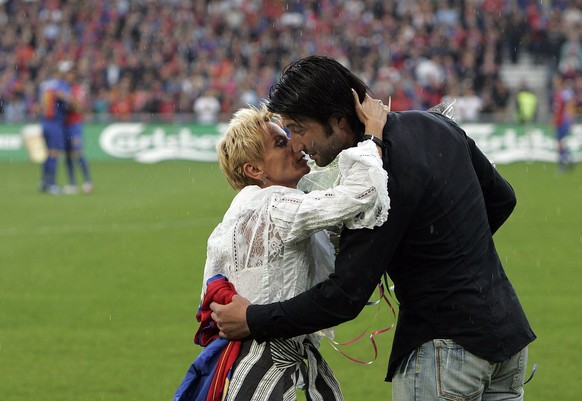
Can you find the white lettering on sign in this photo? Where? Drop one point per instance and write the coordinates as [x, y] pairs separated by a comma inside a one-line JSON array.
[[128, 140], [517, 143], [10, 142]]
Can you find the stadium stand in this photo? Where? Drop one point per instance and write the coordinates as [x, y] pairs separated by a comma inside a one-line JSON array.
[[156, 58]]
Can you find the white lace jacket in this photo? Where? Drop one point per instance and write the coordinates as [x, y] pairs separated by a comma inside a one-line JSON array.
[[271, 243]]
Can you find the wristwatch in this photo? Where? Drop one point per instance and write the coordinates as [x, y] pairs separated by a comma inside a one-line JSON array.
[[376, 140]]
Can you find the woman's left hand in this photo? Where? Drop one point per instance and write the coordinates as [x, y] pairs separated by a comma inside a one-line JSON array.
[[373, 113]]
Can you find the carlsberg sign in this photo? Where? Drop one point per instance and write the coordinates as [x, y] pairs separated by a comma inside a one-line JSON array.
[[510, 143], [503, 143], [131, 141], [152, 143]]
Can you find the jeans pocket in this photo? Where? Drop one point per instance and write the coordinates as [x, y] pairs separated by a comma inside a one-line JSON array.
[[458, 372], [519, 376]]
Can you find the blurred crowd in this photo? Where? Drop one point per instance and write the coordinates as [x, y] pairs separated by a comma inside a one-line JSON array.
[[170, 58]]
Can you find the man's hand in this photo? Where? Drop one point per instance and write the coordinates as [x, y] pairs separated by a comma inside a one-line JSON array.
[[231, 319]]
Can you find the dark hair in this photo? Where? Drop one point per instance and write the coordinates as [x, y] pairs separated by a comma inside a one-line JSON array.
[[318, 88]]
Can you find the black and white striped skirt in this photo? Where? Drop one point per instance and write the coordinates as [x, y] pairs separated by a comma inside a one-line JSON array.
[[273, 370]]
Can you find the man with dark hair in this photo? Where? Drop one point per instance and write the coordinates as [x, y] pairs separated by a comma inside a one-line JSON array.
[[461, 331]]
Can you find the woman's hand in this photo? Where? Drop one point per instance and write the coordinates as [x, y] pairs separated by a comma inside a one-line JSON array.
[[372, 113]]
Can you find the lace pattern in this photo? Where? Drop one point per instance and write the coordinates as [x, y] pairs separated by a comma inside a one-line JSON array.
[[271, 243]]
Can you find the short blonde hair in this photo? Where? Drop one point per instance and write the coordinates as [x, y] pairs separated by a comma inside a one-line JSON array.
[[243, 142]]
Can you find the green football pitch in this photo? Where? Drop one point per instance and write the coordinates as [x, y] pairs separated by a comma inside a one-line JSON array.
[[98, 292]]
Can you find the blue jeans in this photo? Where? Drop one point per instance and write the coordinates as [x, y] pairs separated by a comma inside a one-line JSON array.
[[443, 370]]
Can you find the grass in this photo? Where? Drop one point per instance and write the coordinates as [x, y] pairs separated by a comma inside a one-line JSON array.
[[98, 292]]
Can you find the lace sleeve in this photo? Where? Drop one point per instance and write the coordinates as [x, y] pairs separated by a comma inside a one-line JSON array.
[[243, 247], [359, 201]]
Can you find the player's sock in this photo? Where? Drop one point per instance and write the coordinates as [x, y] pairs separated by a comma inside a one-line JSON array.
[[85, 168], [71, 171], [49, 171]]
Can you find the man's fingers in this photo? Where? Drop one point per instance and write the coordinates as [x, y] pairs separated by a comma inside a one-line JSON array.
[[230, 318], [240, 299], [215, 312]]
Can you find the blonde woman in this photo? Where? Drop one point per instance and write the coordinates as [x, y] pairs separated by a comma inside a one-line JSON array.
[[272, 243]]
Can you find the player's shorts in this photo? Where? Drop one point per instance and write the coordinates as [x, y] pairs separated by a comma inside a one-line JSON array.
[[563, 129], [53, 135], [74, 136]]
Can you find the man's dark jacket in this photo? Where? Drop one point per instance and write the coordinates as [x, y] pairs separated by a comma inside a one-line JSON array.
[[447, 201]]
